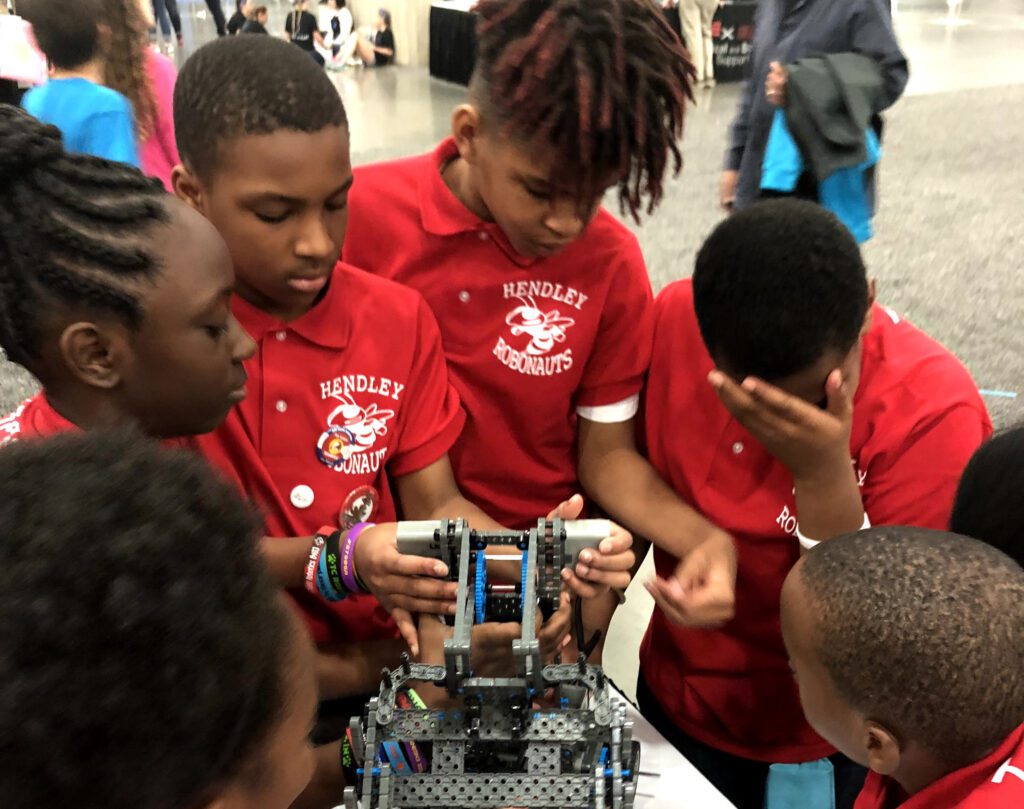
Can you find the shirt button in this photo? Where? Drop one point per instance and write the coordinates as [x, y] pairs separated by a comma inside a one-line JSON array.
[[281, 405], [302, 496], [482, 235], [737, 448], [281, 335], [464, 296]]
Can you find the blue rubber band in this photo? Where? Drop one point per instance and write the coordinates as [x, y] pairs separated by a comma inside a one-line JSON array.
[[522, 594], [393, 751], [481, 587]]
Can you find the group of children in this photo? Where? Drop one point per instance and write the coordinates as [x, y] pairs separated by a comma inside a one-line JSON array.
[[487, 346]]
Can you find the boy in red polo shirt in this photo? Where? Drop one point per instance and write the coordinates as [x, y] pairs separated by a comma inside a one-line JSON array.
[[542, 297], [350, 408], [908, 646], [783, 406]]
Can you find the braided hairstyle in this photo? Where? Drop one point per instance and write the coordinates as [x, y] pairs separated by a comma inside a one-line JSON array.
[[72, 232], [604, 81]]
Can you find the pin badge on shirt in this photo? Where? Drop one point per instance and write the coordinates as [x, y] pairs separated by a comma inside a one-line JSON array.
[[359, 506]]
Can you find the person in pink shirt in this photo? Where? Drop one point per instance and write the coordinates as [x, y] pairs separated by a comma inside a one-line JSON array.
[[147, 79]]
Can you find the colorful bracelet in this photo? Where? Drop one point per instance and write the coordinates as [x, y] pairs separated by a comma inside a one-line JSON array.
[[349, 764], [349, 578], [313, 564], [323, 555]]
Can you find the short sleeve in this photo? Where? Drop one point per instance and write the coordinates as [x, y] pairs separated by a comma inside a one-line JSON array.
[[915, 483], [622, 349], [112, 135], [432, 413]]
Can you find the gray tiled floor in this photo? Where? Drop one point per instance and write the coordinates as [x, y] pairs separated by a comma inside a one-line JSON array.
[[950, 233]]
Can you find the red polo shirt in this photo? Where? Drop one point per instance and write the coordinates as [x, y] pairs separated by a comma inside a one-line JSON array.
[[995, 782], [917, 418], [529, 343], [340, 400], [33, 418]]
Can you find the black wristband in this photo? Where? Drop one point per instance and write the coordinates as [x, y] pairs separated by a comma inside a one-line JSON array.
[[332, 551], [349, 765]]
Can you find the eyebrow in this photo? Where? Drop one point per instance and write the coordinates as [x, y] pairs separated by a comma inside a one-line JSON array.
[[214, 300], [271, 195]]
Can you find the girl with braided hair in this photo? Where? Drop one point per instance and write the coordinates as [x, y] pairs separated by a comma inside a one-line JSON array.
[[113, 293]]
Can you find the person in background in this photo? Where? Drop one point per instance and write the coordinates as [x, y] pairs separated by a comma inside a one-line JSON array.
[[258, 23], [696, 17], [336, 23], [907, 647], [786, 31], [218, 16], [377, 52], [146, 79], [243, 12], [165, 12], [92, 118], [301, 29], [162, 651]]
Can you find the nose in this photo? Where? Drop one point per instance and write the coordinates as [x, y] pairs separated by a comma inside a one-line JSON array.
[[315, 240], [563, 219], [243, 347]]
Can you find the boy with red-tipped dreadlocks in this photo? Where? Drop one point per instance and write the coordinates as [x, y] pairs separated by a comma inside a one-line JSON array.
[[542, 297]]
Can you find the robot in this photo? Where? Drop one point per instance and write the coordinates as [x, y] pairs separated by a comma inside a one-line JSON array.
[[497, 750]]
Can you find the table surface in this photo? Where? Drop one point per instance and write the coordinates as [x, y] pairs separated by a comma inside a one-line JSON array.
[[678, 784], [454, 5]]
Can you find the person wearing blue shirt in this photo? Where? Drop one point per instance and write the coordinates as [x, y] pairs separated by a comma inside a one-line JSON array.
[[92, 118]]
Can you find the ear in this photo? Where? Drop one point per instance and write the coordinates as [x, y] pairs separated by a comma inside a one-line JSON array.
[[93, 354], [187, 187], [883, 749], [466, 131]]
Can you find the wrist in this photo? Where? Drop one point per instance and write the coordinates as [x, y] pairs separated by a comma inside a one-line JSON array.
[[827, 473]]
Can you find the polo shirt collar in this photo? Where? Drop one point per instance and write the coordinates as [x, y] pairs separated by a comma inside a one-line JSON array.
[[441, 212], [47, 421], [327, 324]]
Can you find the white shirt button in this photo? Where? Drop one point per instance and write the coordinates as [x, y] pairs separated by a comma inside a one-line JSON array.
[[302, 496], [737, 448], [281, 335], [464, 296], [482, 235], [281, 405]]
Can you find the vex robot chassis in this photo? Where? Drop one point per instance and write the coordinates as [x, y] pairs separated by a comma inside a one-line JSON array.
[[497, 750]]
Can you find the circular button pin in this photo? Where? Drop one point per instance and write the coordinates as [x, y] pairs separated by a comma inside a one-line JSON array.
[[302, 496]]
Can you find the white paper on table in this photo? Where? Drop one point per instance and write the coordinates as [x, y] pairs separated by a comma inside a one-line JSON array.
[[678, 784]]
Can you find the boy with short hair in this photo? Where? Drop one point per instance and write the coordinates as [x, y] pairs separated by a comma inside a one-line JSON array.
[[908, 646], [137, 674], [988, 496], [94, 119], [783, 406], [350, 403]]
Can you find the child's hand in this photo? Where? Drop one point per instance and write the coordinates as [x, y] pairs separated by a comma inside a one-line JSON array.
[[492, 642], [609, 566], [596, 573], [807, 440], [775, 84], [701, 593], [403, 584]]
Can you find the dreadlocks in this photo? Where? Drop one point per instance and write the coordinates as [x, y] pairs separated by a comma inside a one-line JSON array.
[[604, 81], [71, 232]]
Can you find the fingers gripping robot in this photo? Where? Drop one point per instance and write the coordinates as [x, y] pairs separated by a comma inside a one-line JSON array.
[[497, 749]]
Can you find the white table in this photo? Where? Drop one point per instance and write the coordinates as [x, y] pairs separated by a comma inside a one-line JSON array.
[[677, 783]]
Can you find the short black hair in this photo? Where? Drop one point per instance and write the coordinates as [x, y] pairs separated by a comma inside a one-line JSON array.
[[68, 33], [922, 631], [776, 285], [142, 644], [75, 230], [605, 82], [237, 86], [987, 503]]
